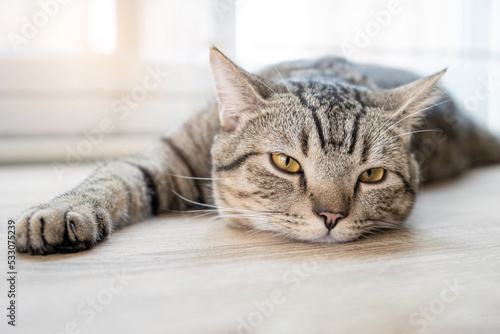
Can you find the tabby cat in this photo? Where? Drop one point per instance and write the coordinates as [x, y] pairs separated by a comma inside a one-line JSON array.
[[321, 151]]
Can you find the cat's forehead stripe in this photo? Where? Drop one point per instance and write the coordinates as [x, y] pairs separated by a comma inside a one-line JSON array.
[[355, 130], [300, 92], [319, 128], [329, 106], [354, 134], [304, 141]]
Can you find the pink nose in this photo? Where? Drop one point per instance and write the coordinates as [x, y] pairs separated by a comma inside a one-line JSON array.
[[331, 218]]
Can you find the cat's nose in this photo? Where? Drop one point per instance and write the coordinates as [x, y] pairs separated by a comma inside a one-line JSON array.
[[331, 218]]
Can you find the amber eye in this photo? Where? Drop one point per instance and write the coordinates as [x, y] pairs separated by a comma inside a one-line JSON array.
[[286, 163], [372, 175]]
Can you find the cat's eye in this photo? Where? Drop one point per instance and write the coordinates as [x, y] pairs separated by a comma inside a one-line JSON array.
[[372, 175], [286, 163]]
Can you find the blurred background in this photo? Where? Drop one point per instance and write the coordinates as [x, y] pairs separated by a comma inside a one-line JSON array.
[[96, 79]]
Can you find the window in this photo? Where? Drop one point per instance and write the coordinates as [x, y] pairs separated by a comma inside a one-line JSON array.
[[65, 66]]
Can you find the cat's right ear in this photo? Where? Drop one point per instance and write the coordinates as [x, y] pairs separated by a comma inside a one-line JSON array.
[[407, 102], [237, 97]]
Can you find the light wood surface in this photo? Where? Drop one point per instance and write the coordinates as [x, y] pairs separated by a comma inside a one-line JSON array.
[[189, 274]]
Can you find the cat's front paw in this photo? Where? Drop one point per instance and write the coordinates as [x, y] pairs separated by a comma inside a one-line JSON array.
[[59, 228]]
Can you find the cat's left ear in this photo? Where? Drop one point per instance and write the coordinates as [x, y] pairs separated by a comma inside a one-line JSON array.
[[407, 103], [237, 94]]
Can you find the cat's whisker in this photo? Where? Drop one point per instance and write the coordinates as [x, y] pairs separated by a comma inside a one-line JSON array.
[[253, 218], [216, 207], [191, 201], [193, 211], [284, 82], [220, 210], [409, 133], [199, 178], [212, 219], [247, 214], [217, 214], [257, 232], [201, 215], [410, 115], [196, 213], [247, 210], [392, 116], [387, 99], [385, 224]]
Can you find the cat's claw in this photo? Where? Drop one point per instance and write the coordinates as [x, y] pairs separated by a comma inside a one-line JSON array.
[[50, 229]]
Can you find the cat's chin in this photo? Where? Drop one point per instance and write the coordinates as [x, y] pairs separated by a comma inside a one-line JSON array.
[[332, 238], [327, 238]]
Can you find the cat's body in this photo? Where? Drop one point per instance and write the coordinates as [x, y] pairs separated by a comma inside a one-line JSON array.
[[295, 150]]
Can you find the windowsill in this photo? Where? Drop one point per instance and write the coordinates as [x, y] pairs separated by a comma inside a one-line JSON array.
[[70, 149]]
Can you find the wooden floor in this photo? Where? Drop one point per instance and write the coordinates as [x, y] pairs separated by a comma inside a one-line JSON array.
[[183, 274]]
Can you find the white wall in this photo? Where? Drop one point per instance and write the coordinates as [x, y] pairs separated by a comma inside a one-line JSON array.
[[424, 36]]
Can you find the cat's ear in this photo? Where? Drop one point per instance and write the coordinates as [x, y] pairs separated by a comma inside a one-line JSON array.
[[237, 95], [407, 103]]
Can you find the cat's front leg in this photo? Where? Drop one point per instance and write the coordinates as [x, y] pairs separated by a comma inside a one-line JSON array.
[[112, 196], [165, 176]]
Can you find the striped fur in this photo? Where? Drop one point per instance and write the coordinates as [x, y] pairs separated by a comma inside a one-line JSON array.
[[336, 118]]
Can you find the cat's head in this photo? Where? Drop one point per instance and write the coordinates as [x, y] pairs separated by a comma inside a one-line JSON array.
[[314, 161]]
